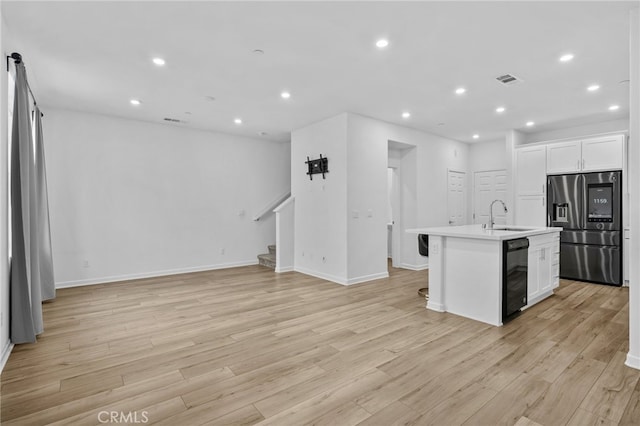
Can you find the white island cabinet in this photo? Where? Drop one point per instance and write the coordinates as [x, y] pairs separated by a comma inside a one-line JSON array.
[[465, 268]]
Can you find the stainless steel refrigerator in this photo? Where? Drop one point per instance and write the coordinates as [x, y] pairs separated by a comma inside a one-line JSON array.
[[589, 209]]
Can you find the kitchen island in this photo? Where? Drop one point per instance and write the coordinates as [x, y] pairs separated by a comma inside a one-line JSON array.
[[465, 268]]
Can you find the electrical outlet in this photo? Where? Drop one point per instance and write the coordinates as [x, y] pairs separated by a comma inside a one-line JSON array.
[[85, 264], [222, 250]]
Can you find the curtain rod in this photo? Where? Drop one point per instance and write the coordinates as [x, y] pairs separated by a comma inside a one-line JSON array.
[[17, 58]]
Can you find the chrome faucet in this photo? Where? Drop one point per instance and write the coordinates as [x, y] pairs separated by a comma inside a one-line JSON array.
[[490, 226]]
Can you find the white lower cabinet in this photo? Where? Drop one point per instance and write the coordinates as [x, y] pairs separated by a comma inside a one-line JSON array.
[[544, 266]]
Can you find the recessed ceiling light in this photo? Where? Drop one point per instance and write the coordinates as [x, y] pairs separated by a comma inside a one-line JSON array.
[[135, 102], [593, 88], [460, 90], [285, 95], [500, 110], [566, 57], [209, 98], [238, 121], [476, 136], [263, 133], [406, 114], [614, 107], [258, 51], [382, 43], [158, 61], [530, 123]]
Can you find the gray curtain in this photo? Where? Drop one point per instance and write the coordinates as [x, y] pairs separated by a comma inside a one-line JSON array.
[[31, 263]]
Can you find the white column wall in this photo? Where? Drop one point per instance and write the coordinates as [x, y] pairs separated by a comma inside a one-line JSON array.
[[633, 357], [321, 204]]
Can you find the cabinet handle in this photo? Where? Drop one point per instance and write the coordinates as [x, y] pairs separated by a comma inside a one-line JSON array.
[[583, 164], [543, 201]]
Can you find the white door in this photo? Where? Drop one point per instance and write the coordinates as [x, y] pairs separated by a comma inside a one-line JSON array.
[[489, 186], [456, 195]]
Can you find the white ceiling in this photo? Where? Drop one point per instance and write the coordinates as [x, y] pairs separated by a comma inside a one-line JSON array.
[[95, 56]]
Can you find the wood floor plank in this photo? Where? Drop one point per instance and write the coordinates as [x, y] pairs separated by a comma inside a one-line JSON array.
[[558, 405], [507, 406], [610, 395], [248, 346]]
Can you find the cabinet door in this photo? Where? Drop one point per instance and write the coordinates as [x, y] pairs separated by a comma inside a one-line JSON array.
[[533, 277], [604, 153], [531, 210], [564, 157], [545, 273], [531, 170]]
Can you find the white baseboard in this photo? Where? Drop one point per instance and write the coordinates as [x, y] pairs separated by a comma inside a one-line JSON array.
[[116, 278], [284, 269], [366, 278], [438, 307], [414, 267], [340, 280], [4, 357], [328, 277], [633, 361]]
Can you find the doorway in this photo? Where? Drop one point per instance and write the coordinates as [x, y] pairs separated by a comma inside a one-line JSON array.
[[456, 196], [402, 205]]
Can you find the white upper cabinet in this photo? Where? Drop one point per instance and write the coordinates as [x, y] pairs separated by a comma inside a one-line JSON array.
[[588, 155], [531, 180], [564, 157], [605, 153], [531, 174]]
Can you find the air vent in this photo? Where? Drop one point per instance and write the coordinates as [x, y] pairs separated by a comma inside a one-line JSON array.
[[172, 120], [509, 79]]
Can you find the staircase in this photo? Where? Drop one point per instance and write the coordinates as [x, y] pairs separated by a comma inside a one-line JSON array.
[[268, 259]]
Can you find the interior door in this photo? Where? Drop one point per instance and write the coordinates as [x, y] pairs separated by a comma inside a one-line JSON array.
[[456, 195], [489, 186]]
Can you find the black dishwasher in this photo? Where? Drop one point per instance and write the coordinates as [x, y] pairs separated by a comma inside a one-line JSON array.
[[515, 255]]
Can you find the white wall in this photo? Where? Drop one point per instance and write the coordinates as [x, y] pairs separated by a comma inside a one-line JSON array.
[[612, 126], [130, 199], [321, 204], [485, 156], [633, 357], [4, 207], [355, 248]]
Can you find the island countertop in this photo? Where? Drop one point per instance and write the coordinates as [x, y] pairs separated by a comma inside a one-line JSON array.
[[500, 232]]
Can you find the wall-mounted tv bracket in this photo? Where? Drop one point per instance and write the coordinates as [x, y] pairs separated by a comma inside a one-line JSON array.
[[320, 165]]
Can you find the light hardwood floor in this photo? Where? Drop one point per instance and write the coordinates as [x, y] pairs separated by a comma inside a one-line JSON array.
[[248, 346]]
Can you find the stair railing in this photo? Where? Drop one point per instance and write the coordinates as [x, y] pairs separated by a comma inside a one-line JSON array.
[[273, 204]]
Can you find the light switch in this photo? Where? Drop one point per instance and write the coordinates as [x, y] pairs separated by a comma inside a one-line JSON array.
[[369, 213], [355, 214]]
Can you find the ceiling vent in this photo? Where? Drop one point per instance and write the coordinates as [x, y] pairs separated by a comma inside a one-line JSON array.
[[173, 120], [509, 79]]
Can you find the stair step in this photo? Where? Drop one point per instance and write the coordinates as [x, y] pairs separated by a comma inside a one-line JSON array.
[[268, 260], [272, 249]]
